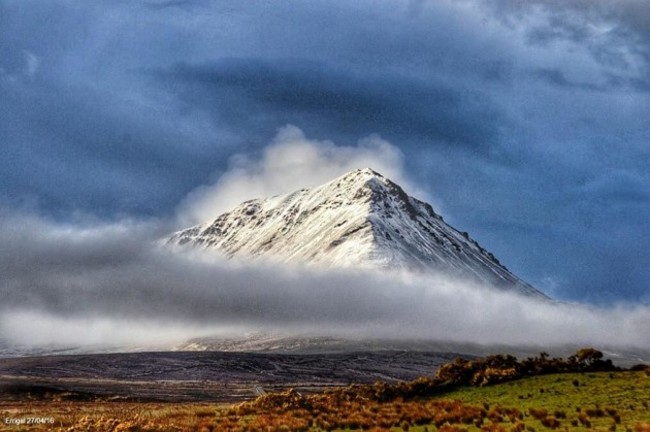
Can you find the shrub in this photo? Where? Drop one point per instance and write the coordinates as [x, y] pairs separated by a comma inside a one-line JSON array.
[[588, 355], [595, 412], [640, 367], [519, 426], [642, 427], [494, 427], [538, 413], [583, 418], [550, 422]]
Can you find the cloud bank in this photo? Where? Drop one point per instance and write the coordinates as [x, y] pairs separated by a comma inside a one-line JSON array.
[[114, 284]]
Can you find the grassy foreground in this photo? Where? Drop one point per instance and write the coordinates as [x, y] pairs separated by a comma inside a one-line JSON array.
[[574, 401], [569, 401]]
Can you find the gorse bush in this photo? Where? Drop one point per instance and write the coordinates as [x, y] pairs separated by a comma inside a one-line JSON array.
[[501, 368]]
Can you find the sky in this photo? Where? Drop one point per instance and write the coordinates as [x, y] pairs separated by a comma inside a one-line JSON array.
[[523, 123]]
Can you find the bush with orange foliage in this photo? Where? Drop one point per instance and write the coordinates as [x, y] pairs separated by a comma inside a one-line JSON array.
[[642, 427]]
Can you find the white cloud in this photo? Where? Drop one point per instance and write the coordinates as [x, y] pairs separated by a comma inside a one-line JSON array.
[[114, 286], [290, 162], [35, 328]]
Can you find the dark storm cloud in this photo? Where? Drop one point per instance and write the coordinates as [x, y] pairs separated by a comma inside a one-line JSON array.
[[113, 178], [74, 152], [517, 117], [182, 4], [615, 34], [78, 130], [620, 187], [557, 77], [338, 99]]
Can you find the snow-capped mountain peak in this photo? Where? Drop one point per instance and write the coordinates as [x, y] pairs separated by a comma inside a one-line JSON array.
[[361, 219]]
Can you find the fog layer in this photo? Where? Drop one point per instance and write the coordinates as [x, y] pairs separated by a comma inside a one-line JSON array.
[[116, 284]]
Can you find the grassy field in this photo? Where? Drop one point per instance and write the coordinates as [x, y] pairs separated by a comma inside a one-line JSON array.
[[600, 401], [605, 401]]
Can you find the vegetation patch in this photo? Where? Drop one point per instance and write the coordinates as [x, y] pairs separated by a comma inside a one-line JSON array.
[[495, 394]]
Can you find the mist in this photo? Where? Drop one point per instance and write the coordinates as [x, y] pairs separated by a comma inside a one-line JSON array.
[[289, 162], [117, 285]]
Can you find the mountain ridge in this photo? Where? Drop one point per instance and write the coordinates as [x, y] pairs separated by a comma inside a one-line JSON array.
[[360, 219]]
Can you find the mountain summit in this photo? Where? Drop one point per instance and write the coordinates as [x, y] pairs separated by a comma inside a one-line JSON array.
[[361, 219]]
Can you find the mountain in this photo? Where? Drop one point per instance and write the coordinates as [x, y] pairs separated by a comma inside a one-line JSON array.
[[361, 219]]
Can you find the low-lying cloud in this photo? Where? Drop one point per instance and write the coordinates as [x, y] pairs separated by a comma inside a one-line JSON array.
[[115, 284]]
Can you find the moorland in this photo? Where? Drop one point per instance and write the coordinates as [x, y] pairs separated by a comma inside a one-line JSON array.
[[583, 392]]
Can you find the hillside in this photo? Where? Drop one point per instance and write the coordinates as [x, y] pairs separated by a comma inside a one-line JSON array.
[[361, 220]]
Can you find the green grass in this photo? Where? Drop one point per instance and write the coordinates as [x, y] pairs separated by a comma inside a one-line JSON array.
[[625, 395], [626, 392], [580, 402]]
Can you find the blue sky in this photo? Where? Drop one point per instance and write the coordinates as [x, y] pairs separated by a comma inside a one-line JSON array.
[[526, 123]]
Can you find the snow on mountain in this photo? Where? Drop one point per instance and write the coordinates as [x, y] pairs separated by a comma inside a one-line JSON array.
[[361, 219]]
